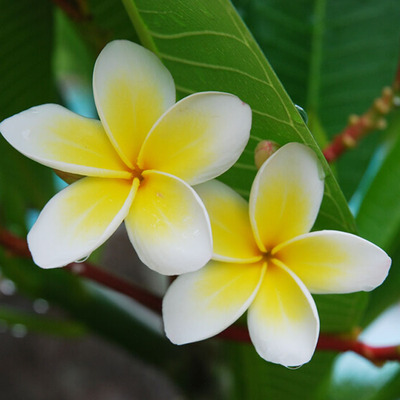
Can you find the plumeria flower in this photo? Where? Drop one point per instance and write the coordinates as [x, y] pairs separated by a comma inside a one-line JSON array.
[[266, 262], [138, 162]]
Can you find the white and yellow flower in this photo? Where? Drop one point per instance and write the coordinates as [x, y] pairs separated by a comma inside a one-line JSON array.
[[266, 261], [138, 162]]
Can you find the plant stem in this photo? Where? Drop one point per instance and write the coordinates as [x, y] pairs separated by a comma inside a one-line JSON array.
[[18, 247], [360, 126]]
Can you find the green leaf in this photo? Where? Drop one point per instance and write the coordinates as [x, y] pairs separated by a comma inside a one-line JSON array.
[[72, 55], [255, 379], [206, 46], [378, 217], [111, 17], [334, 57], [26, 80], [204, 52]]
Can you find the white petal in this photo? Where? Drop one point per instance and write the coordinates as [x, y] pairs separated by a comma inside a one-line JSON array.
[[335, 262], [169, 226], [283, 320], [132, 89], [202, 304], [286, 195], [199, 138], [56, 137], [79, 219]]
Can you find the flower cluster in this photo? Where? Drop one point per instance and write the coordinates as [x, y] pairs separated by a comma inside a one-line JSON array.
[[138, 164]]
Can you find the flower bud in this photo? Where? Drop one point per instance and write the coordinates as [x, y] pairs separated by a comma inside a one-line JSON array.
[[263, 151]]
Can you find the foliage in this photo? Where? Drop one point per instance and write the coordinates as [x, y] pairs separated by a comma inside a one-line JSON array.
[[333, 58]]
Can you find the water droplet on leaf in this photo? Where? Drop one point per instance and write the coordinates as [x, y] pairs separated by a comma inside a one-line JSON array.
[[302, 113]]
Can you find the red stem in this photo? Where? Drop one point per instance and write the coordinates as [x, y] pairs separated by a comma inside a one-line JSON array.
[[94, 273], [18, 247], [358, 127]]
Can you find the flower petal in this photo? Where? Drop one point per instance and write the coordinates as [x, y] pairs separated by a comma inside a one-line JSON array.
[[169, 226], [132, 89], [233, 239], [201, 304], [56, 137], [79, 219], [283, 320], [335, 262], [199, 138], [286, 195]]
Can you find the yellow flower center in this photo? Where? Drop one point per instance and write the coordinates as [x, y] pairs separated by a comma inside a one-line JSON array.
[[137, 172]]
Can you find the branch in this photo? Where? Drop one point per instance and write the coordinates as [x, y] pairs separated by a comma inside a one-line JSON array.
[[360, 126], [18, 247]]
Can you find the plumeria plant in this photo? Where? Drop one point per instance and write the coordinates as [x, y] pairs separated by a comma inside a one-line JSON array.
[[195, 145]]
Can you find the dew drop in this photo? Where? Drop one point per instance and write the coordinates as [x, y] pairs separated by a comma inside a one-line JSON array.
[[82, 260], [41, 306], [295, 367], [7, 287], [19, 331], [302, 113]]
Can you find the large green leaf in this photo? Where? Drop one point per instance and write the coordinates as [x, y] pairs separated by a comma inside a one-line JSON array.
[[379, 218], [206, 46], [334, 57]]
